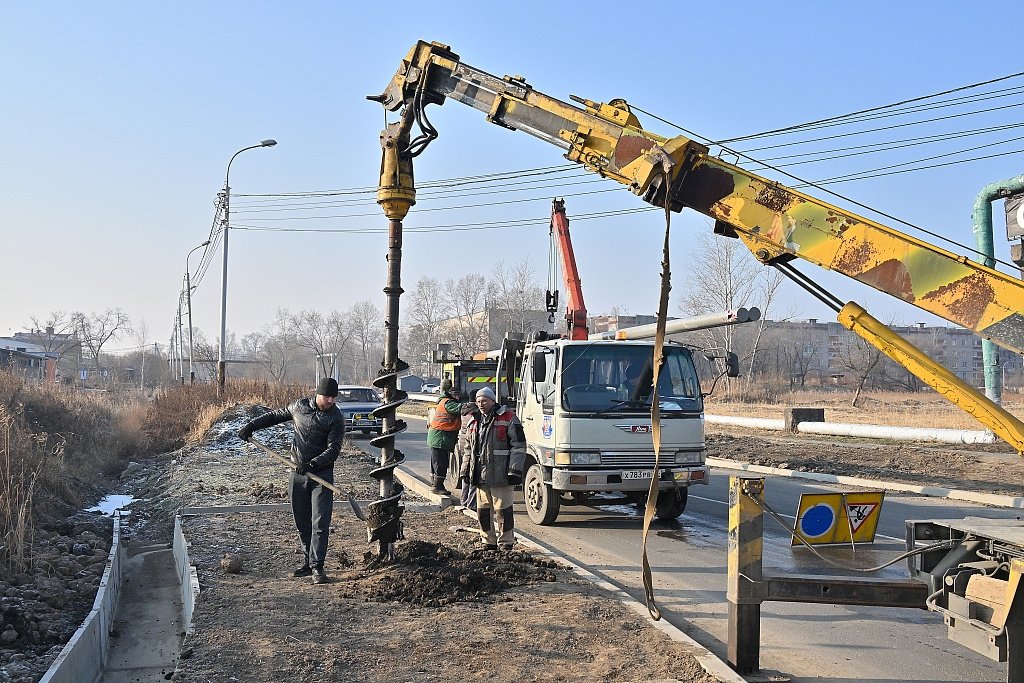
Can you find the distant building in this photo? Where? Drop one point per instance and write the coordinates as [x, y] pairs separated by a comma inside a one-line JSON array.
[[818, 350], [65, 348], [485, 330]]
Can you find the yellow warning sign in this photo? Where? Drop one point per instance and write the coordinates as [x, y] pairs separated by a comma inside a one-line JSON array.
[[829, 518]]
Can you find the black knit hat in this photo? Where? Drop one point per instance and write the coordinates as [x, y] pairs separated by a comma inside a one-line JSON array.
[[328, 387]]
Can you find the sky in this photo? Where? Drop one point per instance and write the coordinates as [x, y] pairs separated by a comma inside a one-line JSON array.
[[119, 119]]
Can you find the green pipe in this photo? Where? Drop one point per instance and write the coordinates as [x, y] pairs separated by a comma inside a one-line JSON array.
[[981, 219]]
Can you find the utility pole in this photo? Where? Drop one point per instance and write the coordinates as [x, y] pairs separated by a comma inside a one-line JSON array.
[[225, 226]]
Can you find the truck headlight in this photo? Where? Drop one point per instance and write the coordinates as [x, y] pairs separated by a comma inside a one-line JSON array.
[[684, 457], [577, 458]]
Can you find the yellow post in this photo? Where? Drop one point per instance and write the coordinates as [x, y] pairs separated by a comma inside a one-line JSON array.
[[746, 588]]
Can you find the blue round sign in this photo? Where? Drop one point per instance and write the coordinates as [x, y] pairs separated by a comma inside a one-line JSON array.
[[817, 520]]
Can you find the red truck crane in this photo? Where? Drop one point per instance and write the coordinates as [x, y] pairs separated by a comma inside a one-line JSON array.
[[561, 244]]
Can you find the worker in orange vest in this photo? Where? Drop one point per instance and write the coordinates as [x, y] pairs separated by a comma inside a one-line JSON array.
[[443, 433]]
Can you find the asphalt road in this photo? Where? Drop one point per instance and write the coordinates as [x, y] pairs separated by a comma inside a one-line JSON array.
[[823, 643]]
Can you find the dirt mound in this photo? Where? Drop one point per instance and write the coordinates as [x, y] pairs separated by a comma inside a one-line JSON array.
[[432, 574]]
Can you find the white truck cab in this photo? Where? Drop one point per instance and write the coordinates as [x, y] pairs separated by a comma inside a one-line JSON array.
[[586, 410]]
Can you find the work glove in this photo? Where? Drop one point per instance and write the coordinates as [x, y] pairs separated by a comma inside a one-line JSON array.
[[300, 468], [317, 463], [515, 477], [245, 433]]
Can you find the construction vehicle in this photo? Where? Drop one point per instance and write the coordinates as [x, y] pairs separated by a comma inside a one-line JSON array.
[[585, 401], [977, 581]]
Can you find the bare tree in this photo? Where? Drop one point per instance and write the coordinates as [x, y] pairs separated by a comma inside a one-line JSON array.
[[861, 359], [467, 329], [96, 329], [426, 306], [515, 292], [722, 275], [326, 337], [272, 349], [366, 323]]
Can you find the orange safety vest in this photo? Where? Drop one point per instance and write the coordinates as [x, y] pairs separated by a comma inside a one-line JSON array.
[[443, 421]]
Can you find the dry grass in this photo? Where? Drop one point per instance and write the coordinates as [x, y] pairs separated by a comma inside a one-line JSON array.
[[182, 414], [896, 409]]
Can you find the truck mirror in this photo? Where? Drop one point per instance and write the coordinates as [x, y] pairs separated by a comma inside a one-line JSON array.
[[540, 369], [732, 364]]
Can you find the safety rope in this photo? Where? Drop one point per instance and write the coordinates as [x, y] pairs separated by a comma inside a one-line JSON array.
[[659, 348]]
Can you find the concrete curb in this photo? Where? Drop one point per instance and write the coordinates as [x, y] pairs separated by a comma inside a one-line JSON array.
[[992, 499], [83, 657]]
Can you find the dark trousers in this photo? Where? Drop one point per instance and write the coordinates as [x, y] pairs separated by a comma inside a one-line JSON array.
[[311, 507], [439, 462]]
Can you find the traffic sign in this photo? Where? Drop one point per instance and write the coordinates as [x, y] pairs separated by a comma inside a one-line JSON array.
[[831, 518]]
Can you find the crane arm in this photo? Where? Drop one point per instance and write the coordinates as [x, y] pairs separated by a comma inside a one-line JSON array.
[[775, 222], [576, 310]]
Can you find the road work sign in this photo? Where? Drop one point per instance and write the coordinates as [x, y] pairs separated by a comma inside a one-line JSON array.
[[830, 518]]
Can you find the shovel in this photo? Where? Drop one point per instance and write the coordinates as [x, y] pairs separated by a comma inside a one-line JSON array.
[[287, 461]]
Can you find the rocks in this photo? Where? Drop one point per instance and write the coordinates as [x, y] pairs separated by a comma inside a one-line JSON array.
[[9, 635], [81, 549], [231, 563]]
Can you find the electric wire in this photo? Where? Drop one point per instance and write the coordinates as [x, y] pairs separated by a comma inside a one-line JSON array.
[[877, 147], [450, 227], [872, 109]]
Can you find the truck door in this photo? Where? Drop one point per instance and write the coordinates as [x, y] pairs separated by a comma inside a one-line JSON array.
[[537, 396]]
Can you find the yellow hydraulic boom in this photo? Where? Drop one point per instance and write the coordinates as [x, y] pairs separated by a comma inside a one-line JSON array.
[[777, 224]]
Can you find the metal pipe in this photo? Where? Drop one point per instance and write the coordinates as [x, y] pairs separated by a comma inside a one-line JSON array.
[[699, 322], [981, 221]]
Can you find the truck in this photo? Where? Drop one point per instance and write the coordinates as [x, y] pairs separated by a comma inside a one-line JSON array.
[[976, 573], [585, 402]]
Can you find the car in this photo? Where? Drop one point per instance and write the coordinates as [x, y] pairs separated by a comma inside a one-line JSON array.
[[430, 388], [356, 403]]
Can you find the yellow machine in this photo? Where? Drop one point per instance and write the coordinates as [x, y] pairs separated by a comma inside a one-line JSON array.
[[973, 579]]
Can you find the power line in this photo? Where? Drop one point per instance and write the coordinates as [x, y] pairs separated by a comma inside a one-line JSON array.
[[871, 109]]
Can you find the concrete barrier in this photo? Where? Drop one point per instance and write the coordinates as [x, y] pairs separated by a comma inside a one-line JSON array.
[[188, 579], [82, 659]]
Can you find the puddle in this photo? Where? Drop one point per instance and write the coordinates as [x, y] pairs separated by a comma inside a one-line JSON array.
[[111, 503]]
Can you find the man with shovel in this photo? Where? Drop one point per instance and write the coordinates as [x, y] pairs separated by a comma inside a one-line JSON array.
[[319, 430]]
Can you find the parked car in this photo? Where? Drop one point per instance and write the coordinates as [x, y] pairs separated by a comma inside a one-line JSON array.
[[356, 403], [430, 388]]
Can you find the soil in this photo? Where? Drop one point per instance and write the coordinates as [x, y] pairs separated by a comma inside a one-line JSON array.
[[442, 612]]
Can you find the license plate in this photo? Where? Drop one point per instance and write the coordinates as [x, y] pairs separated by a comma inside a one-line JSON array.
[[368, 423], [637, 474]]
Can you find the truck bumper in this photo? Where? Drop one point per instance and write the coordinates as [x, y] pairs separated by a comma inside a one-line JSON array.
[[612, 480]]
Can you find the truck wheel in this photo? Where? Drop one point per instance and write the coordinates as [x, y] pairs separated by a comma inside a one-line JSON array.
[[542, 502], [671, 503]]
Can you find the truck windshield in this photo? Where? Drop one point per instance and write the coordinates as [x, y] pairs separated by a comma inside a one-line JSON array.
[[617, 377]]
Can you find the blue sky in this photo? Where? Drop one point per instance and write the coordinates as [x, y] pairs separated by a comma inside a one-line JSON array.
[[119, 120]]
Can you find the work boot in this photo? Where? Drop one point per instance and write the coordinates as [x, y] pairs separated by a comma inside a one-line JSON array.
[[319, 576], [304, 570], [438, 487]]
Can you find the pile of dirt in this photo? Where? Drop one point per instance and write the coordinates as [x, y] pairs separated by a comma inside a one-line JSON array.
[[433, 575]]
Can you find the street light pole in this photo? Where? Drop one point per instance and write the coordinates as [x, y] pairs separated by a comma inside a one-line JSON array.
[[188, 298], [221, 365]]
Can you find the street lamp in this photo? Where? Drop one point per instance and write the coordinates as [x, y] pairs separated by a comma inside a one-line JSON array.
[[188, 298], [221, 365]]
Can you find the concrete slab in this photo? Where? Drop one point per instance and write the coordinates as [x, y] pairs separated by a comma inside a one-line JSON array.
[[148, 620]]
